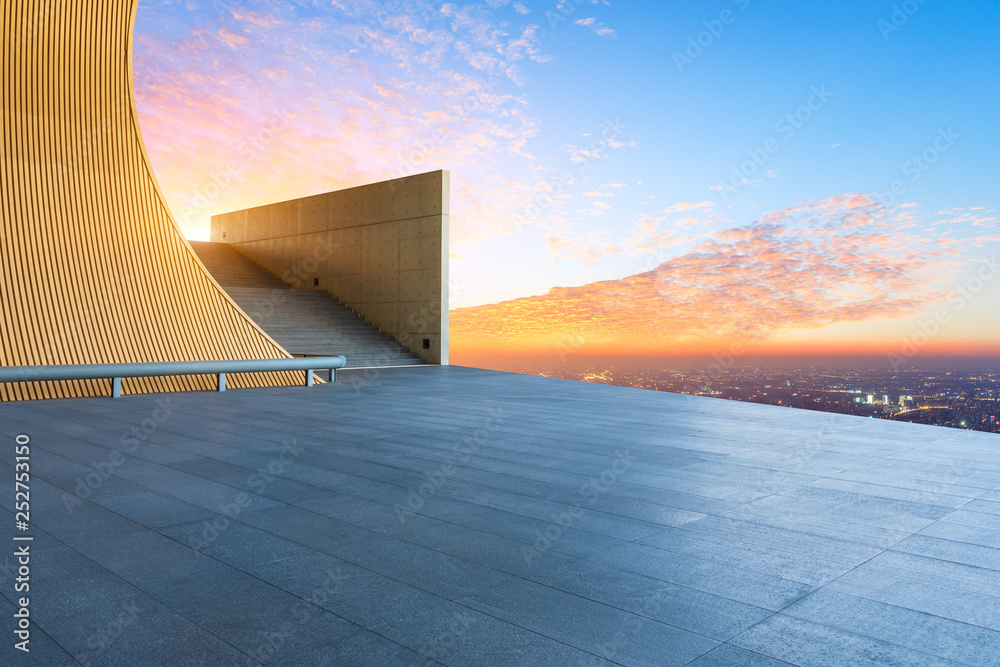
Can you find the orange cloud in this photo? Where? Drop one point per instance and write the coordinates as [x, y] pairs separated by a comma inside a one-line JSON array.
[[804, 267]]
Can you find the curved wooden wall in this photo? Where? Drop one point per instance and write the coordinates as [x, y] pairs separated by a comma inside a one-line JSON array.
[[93, 267]]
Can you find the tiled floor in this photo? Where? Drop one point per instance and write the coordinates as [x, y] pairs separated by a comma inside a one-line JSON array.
[[465, 517]]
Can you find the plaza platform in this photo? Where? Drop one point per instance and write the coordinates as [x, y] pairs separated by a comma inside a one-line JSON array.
[[448, 515]]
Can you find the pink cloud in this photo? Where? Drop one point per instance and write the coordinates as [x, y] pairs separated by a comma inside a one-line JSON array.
[[205, 96]]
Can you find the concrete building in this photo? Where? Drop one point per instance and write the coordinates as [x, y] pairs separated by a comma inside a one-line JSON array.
[[382, 249]]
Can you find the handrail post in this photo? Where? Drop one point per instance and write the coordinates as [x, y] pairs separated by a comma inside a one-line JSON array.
[[309, 378], [116, 387], [222, 381]]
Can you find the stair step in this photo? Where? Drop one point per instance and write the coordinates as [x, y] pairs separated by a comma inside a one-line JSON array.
[[304, 322]]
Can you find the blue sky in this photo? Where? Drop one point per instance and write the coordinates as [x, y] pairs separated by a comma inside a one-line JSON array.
[[684, 93], [692, 125]]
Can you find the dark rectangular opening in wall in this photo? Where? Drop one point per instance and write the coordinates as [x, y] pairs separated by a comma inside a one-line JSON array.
[[427, 343], [315, 282]]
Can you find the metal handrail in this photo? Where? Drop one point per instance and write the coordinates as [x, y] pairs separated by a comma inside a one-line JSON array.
[[159, 368]]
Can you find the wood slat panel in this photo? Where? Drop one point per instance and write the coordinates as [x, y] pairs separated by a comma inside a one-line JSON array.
[[94, 267]]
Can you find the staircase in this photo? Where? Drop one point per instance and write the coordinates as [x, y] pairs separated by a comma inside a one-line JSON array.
[[304, 322]]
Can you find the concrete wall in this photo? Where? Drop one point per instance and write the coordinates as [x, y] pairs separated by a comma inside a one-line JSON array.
[[382, 249]]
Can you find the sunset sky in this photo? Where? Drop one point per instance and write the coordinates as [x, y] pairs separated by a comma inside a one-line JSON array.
[[670, 178]]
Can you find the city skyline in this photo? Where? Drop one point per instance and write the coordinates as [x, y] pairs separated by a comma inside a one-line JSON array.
[[675, 180], [944, 395]]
